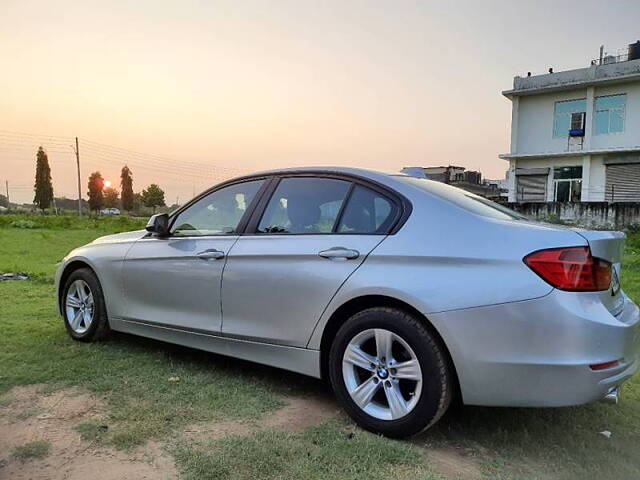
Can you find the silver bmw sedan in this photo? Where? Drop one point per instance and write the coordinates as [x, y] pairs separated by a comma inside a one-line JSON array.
[[402, 292]]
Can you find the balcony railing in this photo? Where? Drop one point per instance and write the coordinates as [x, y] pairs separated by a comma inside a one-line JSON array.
[[621, 55]]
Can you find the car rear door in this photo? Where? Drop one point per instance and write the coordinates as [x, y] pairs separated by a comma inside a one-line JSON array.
[[303, 242], [175, 281]]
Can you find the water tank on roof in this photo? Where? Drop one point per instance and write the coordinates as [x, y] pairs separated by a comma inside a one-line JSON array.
[[634, 51]]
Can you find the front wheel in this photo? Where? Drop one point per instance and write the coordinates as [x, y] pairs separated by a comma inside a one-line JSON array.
[[389, 372], [83, 307]]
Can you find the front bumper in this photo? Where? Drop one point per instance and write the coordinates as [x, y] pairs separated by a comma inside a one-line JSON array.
[[537, 353]]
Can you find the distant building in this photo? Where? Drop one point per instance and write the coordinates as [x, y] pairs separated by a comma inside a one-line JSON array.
[[575, 135], [447, 174], [469, 180]]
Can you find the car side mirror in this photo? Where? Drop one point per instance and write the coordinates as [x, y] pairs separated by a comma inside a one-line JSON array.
[[158, 224]]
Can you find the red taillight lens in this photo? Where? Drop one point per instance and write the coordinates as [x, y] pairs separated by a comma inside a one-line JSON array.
[[571, 269], [604, 366]]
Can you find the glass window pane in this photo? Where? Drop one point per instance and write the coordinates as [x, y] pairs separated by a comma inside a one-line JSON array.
[[576, 190], [366, 212], [463, 199], [562, 115], [562, 191], [602, 121], [610, 101], [561, 125], [616, 121], [304, 205], [571, 106], [218, 213], [567, 172]]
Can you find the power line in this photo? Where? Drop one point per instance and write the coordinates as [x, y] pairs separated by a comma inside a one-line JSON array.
[[99, 156], [23, 134], [110, 152]]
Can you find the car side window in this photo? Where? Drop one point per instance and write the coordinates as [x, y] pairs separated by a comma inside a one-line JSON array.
[[218, 213], [304, 205], [367, 212]]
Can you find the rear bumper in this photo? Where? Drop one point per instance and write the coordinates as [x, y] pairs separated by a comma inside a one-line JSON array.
[[537, 353]]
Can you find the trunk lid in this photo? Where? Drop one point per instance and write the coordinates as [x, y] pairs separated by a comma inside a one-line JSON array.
[[608, 245]]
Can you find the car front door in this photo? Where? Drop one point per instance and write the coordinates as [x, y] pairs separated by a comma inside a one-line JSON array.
[[299, 248], [175, 280]]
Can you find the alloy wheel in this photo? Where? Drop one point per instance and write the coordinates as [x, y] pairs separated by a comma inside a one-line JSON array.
[[382, 374], [79, 306]]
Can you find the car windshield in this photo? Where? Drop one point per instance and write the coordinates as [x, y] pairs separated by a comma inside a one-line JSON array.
[[463, 199]]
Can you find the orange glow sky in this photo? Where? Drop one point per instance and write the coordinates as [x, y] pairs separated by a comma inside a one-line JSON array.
[[246, 85]]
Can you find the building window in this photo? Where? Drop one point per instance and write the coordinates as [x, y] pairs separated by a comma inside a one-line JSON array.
[[562, 115], [609, 114], [567, 184]]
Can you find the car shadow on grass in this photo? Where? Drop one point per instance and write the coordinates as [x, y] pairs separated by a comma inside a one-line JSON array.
[[281, 381]]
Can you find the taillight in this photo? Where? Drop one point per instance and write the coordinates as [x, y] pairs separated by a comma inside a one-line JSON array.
[[572, 269]]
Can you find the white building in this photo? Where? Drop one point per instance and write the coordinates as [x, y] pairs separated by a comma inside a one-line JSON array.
[[575, 135]]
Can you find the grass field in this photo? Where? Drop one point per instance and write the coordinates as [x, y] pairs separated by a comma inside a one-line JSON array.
[[154, 391]]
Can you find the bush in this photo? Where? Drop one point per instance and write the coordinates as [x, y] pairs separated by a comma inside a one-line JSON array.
[[23, 224], [120, 223]]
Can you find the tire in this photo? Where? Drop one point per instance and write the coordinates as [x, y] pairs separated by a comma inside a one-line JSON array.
[[394, 402], [82, 292]]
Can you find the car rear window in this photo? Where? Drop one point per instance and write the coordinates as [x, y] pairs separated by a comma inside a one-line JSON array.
[[463, 199]]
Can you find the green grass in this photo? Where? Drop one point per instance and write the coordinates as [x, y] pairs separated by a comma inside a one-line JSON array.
[[92, 431], [132, 376], [32, 450], [130, 373], [326, 451]]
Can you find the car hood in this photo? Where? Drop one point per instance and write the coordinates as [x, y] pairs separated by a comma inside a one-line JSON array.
[[121, 237]]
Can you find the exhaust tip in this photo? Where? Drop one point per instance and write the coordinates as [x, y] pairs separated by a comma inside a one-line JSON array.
[[612, 397]]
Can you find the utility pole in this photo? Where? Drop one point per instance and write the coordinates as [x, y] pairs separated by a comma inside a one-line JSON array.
[[77, 150], [6, 184]]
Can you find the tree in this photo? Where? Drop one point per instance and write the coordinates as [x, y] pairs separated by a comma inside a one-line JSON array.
[[96, 187], [126, 184], [4, 202], [137, 202], [43, 187], [153, 197], [110, 195]]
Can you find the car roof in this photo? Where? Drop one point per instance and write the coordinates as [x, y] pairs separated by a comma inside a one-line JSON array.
[[376, 175]]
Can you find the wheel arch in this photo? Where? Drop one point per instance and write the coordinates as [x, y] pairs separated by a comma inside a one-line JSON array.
[[355, 305]]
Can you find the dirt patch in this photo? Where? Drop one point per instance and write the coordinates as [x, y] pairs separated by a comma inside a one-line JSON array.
[[29, 414], [453, 464], [297, 414], [52, 417]]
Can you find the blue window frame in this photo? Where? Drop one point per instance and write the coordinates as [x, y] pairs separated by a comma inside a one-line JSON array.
[[609, 113], [562, 115]]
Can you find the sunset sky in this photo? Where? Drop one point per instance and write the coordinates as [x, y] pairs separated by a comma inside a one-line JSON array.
[[235, 86]]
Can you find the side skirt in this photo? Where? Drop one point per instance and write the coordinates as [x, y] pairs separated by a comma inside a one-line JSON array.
[[300, 360]]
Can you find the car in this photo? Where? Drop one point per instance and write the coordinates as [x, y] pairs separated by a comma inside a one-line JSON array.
[[404, 293], [110, 211]]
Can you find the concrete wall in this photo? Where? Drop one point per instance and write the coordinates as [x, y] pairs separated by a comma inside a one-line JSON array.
[[593, 215], [631, 135], [535, 121], [581, 75]]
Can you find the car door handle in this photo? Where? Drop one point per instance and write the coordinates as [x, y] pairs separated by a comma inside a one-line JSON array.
[[339, 253], [212, 254]]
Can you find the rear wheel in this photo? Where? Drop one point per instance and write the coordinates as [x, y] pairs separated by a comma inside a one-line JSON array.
[[85, 315], [389, 372]]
